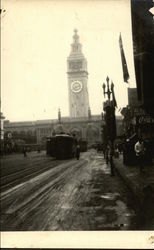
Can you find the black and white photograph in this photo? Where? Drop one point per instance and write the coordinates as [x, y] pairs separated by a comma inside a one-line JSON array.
[[77, 118]]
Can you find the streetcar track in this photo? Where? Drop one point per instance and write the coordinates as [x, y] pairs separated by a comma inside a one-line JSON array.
[[45, 196], [35, 188], [24, 178], [28, 197], [5, 194], [23, 163], [36, 197], [31, 166], [19, 176], [63, 198]]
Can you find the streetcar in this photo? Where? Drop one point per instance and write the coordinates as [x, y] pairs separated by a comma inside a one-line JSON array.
[[61, 146]]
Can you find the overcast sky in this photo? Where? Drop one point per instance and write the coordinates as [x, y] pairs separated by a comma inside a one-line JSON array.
[[36, 38]]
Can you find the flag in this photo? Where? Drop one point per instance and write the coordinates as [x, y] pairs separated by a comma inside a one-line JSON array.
[[123, 59]]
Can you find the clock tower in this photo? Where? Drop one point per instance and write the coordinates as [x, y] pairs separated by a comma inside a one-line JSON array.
[[77, 80]]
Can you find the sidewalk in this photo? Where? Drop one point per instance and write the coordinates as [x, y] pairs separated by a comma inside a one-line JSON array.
[[141, 184], [142, 187]]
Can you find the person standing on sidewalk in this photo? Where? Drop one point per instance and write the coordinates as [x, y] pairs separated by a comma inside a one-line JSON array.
[[140, 150], [77, 152], [107, 153], [24, 152]]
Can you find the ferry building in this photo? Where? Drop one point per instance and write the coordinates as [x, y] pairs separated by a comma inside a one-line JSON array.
[[80, 121]]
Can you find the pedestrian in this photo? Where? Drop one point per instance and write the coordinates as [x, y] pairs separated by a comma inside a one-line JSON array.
[[116, 153], [103, 149], [120, 147], [77, 152], [74, 151], [140, 150], [24, 152], [107, 154]]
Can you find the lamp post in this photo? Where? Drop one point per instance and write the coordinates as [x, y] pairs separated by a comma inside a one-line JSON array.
[[108, 92], [103, 134], [109, 108]]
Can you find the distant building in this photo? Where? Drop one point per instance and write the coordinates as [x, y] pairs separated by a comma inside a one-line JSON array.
[[81, 122], [37, 131]]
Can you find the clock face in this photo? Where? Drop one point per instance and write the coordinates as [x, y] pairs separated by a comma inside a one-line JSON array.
[[76, 86]]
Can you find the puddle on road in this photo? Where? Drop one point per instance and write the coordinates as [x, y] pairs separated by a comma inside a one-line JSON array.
[[124, 216], [66, 206], [99, 156], [101, 167], [110, 196]]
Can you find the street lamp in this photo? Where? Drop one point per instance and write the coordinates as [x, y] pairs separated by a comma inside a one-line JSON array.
[[109, 108], [108, 92], [104, 135]]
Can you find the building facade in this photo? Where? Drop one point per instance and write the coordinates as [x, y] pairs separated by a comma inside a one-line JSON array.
[[143, 41], [77, 80], [80, 121], [36, 132], [136, 119]]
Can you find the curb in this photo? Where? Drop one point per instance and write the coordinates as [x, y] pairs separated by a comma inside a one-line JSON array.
[[134, 188]]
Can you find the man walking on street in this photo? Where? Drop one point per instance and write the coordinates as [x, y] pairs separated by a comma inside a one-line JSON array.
[[77, 152], [139, 150], [107, 151], [24, 152]]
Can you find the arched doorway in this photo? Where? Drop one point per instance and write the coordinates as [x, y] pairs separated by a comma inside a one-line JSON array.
[[92, 134], [76, 132]]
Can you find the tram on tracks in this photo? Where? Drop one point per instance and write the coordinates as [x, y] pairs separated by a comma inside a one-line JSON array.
[[61, 146]]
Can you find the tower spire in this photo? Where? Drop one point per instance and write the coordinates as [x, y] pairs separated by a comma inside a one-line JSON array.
[[59, 116], [76, 36], [89, 113], [76, 45]]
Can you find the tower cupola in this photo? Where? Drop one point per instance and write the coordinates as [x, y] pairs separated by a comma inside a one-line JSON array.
[[76, 45]]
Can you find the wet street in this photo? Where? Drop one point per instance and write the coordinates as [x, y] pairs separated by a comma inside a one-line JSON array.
[[39, 193]]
